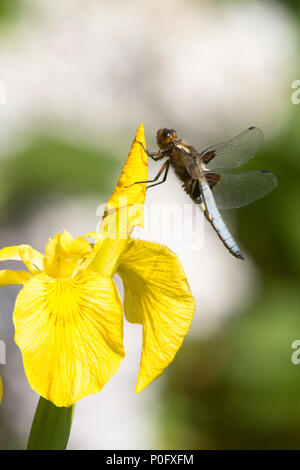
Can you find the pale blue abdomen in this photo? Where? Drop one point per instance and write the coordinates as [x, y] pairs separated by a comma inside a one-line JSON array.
[[213, 215]]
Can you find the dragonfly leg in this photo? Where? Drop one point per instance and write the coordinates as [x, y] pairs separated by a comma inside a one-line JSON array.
[[154, 155], [163, 168]]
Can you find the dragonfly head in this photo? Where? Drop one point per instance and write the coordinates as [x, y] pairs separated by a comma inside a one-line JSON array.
[[165, 136]]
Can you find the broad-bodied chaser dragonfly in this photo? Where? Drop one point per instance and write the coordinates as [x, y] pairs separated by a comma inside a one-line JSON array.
[[205, 181]]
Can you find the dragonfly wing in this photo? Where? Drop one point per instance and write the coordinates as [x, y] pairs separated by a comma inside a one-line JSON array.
[[231, 190], [235, 152]]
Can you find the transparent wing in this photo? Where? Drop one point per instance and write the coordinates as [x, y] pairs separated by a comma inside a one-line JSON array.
[[237, 190], [235, 152]]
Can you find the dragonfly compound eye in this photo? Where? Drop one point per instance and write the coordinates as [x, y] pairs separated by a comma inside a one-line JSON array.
[[165, 136]]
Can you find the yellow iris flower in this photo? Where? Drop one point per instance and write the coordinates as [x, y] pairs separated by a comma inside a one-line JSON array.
[[68, 316]]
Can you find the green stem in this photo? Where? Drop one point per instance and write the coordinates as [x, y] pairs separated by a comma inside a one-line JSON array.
[[51, 426]]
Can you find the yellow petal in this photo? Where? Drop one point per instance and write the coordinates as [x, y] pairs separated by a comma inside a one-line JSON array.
[[156, 294], [124, 209], [63, 254], [70, 334], [74, 247], [8, 277], [30, 257], [105, 254], [96, 236], [107, 258]]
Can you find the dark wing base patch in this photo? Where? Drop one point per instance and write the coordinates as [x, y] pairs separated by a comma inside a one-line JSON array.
[[212, 178], [208, 156]]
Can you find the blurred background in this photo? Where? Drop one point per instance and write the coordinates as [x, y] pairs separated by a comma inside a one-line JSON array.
[[80, 76]]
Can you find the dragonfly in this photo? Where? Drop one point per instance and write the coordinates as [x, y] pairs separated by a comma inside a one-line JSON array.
[[206, 178]]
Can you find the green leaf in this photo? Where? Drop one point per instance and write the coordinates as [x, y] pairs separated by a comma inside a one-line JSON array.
[[51, 426]]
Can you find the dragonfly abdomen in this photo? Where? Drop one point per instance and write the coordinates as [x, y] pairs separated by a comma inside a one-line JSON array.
[[214, 217]]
